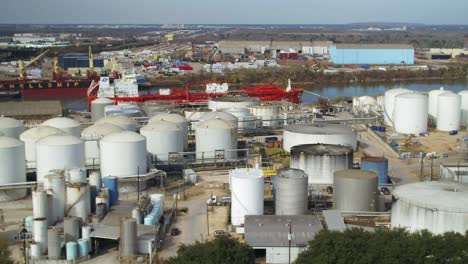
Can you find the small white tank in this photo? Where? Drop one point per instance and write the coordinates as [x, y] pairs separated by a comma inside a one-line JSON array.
[[79, 201], [91, 136], [433, 100], [410, 113], [11, 127], [30, 138], [213, 136], [76, 175], [389, 103], [464, 108], [448, 111], [125, 122], [70, 126], [268, 113], [174, 118], [98, 106], [163, 137], [247, 189], [12, 167]]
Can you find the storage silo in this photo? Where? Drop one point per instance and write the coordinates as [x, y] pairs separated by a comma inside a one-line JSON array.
[[58, 153], [40, 204], [98, 106], [30, 138], [40, 233], [448, 111], [56, 187], [91, 137], [410, 113], [12, 167], [54, 244], [123, 154], [70, 126], [439, 207], [11, 127], [268, 113], [300, 134], [215, 135], [291, 194], [378, 165], [389, 103], [320, 161], [464, 108], [79, 201], [163, 137], [124, 122], [128, 241], [355, 190], [174, 118], [244, 118], [246, 194], [225, 102], [433, 101]]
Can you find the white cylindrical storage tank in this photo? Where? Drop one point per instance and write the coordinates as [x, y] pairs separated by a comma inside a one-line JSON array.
[[124, 122], [244, 118], [12, 167], [410, 113], [267, 113], [40, 204], [163, 137], [464, 108], [389, 103], [433, 101], [58, 153], [448, 112], [220, 115], [76, 175], [56, 188], [294, 135], [320, 161], [11, 127], [54, 244], [246, 194], [70, 126], [123, 154], [98, 106], [86, 234], [195, 114], [35, 250], [225, 102], [30, 138], [125, 109], [291, 192], [40, 233], [95, 179], [214, 136], [355, 190], [174, 118], [91, 136], [79, 201], [128, 246]]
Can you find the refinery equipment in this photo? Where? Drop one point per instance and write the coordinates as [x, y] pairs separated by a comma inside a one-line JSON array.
[[464, 108], [79, 201], [56, 187], [91, 137], [12, 167], [436, 206], [365, 104], [226, 102], [30, 138], [76, 175], [215, 139], [71, 228], [246, 194], [245, 119], [378, 165], [163, 137], [320, 161], [54, 244], [291, 192], [128, 241], [410, 113], [300, 134], [58, 153], [40, 233], [448, 111], [98, 108], [389, 103], [95, 180], [40, 203], [268, 113], [11, 127], [70, 126], [124, 122], [174, 118], [355, 191], [433, 100]]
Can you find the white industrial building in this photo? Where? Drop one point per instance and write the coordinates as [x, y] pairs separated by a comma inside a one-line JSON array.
[[320, 48]]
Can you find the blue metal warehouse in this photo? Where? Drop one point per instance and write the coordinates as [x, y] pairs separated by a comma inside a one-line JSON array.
[[372, 54]]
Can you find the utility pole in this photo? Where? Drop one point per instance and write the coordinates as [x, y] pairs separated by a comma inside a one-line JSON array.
[[421, 155]]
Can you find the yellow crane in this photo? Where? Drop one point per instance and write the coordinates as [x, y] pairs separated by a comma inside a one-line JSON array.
[[22, 66]]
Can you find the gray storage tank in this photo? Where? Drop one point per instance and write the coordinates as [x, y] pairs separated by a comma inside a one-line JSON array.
[[291, 192], [355, 190], [98, 108]]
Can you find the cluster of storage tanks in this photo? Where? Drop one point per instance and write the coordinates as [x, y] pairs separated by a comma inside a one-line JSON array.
[[408, 112]]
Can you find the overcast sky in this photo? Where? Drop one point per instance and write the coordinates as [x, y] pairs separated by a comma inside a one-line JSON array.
[[232, 11]]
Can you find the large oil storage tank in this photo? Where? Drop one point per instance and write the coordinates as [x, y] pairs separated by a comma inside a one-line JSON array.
[[91, 137], [123, 154], [389, 103], [268, 114], [300, 134], [98, 106], [12, 167], [70, 126], [125, 122], [30, 138], [11, 127], [433, 101], [448, 112], [58, 153], [220, 115], [244, 118], [246, 194], [214, 136], [378, 165], [464, 108], [320, 161], [410, 113], [174, 118], [226, 102], [194, 114], [291, 192], [355, 190], [163, 137], [436, 206]]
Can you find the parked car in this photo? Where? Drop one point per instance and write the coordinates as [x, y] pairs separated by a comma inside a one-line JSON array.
[[175, 232], [221, 233]]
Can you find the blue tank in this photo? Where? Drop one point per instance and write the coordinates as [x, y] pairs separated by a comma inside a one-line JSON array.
[[112, 183], [83, 249], [378, 165], [72, 250]]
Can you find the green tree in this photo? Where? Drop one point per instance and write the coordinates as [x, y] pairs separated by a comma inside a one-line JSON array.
[[5, 253], [222, 250]]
